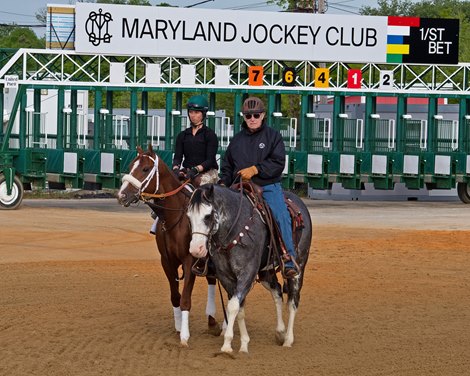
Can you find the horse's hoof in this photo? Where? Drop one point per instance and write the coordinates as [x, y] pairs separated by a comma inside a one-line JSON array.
[[280, 337], [227, 349], [184, 343], [214, 330], [287, 344]]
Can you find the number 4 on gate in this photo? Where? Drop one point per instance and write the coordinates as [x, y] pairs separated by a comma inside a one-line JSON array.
[[322, 77]]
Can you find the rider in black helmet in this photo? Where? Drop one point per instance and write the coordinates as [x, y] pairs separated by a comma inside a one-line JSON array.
[[196, 147]]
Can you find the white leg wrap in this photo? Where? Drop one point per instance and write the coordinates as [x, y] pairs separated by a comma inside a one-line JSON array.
[[184, 334], [177, 317], [210, 306]]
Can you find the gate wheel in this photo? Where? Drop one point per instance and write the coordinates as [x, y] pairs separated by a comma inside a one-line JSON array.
[[13, 200], [463, 190]]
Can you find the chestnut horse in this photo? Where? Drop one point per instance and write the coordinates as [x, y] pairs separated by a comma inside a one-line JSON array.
[[150, 180]]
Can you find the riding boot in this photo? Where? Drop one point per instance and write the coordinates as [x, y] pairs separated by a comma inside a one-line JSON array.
[[153, 229], [290, 267], [199, 268]]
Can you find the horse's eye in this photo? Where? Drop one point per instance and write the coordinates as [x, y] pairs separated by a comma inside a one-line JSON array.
[[146, 169], [207, 218]]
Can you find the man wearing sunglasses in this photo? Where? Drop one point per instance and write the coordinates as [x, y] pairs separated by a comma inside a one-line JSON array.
[[257, 152]]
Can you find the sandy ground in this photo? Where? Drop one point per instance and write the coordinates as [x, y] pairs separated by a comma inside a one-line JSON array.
[[386, 292]]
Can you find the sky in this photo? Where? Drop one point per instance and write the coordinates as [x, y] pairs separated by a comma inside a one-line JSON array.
[[22, 12]]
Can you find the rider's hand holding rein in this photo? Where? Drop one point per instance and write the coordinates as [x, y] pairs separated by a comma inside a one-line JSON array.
[[248, 173]]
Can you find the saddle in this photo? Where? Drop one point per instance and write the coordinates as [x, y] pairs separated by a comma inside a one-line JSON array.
[[255, 194]]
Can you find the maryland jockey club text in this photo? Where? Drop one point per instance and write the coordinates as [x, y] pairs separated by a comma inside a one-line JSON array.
[[257, 33]]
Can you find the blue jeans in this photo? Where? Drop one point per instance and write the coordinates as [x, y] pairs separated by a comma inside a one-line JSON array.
[[274, 197]]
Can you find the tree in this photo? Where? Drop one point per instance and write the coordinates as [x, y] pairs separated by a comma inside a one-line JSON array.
[[388, 8], [288, 5], [17, 37]]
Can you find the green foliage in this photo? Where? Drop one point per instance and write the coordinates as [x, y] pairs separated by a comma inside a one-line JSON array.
[[388, 8], [284, 4], [19, 37]]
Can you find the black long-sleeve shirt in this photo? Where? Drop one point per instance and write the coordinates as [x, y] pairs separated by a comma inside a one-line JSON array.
[[263, 148], [199, 149]]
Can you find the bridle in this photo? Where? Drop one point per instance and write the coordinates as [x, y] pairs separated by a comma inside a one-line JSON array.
[[238, 238], [141, 186]]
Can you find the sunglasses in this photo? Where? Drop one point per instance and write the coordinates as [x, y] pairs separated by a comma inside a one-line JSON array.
[[248, 116]]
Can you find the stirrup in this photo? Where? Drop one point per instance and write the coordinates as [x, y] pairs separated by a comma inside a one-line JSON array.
[[290, 273], [199, 268]]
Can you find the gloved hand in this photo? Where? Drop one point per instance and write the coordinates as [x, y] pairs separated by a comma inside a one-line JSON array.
[[178, 173], [248, 173], [192, 173]]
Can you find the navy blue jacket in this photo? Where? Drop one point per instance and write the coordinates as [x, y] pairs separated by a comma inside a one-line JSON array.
[[263, 148]]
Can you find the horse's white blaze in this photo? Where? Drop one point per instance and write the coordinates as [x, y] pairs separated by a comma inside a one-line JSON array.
[[129, 179], [197, 246]]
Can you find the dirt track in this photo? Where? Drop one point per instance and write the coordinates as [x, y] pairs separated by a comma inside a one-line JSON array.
[[386, 293]]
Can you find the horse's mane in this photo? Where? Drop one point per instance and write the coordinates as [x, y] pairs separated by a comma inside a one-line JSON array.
[[200, 196]]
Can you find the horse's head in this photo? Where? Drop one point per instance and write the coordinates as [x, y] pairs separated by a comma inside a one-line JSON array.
[[204, 219], [143, 177]]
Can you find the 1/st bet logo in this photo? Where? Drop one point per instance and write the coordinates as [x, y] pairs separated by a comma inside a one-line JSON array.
[[435, 36]]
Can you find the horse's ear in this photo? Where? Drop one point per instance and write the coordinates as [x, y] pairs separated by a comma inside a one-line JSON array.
[[210, 193], [139, 150], [207, 192], [150, 148]]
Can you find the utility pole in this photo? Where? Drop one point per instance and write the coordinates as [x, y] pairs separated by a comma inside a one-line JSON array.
[[320, 7]]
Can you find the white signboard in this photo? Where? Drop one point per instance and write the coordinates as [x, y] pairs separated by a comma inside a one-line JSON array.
[[11, 81], [182, 32]]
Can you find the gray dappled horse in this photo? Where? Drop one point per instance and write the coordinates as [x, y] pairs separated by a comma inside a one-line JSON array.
[[151, 180], [227, 225]]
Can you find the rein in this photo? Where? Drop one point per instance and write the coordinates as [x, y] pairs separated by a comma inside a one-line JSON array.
[[142, 185], [239, 237], [166, 194]]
